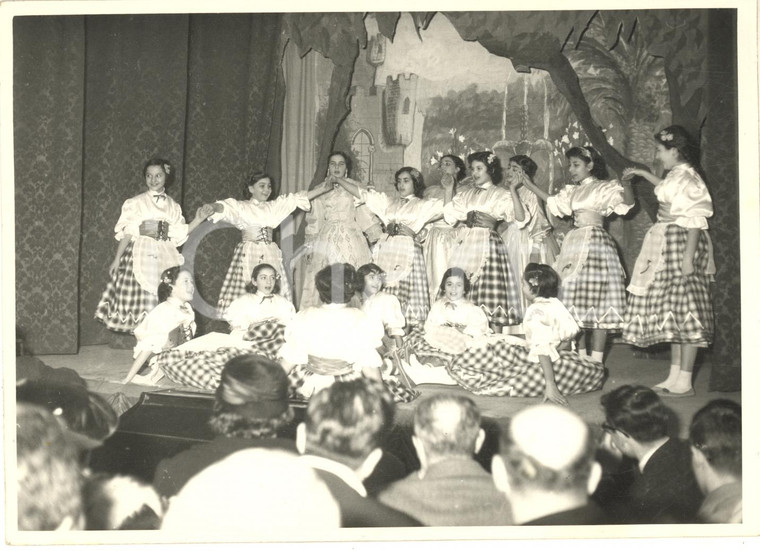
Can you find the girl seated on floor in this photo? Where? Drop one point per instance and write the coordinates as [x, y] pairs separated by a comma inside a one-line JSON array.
[[169, 324], [379, 305], [538, 365]]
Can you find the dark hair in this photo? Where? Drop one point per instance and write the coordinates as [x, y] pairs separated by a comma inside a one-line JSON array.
[[716, 431], [677, 137], [542, 279], [461, 169], [346, 420], [120, 502], [336, 283], [492, 162], [250, 287], [166, 285], [588, 154], [363, 272], [454, 272], [346, 158], [447, 436], [528, 165], [165, 165], [417, 179], [637, 411], [255, 177]]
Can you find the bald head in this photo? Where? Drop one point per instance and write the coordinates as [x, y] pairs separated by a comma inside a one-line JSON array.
[[447, 425], [548, 447]]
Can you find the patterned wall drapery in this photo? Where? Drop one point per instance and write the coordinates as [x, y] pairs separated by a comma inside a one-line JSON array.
[[94, 98]]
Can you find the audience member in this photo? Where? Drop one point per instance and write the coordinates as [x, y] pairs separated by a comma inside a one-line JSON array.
[[451, 488], [340, 439], [253, 493], [118, 502], [662, 487], [546, 468], [716, 456], [48, 473], [251, 407]]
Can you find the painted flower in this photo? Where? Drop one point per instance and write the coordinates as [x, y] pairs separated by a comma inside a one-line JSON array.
[[453, 131], [433, 160], [576, 135], [461, 139]]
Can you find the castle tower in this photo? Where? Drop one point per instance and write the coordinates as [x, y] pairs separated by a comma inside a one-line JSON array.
[[400, 105]]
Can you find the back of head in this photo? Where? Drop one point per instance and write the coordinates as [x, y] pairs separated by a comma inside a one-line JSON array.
[[121, 502], [336, 283], [447, 425], [548, 449], [252, 398], [167, 282], [48, 473], [542, 279], [716, 431], [637, 411], [249, 493], [345, 421]]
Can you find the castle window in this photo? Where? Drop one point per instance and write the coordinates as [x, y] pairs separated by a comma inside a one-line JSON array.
[[406, 106], [362, 146]]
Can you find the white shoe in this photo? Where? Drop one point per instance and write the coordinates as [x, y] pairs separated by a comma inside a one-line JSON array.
[[149, 379]]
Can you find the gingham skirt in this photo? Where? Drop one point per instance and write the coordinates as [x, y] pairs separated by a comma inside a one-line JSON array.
[[299, 377], [426, 353], [503, 369], [596, 296], [413, 292], [676, 309], [495, 291], [124, 303], [197, 369], [235, 281]]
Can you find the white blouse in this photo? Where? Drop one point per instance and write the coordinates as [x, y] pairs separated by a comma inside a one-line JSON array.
[[386, 309], [547, 323], [684, 194], [256, 307], [412, 212], [153, 332], [460, 312], [490, 199], [600, 196], [139, 208], [333, 331], [244, 214]]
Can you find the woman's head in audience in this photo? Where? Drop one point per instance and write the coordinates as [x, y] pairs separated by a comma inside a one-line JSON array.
[[635, 412], [409, 181], [369, 279], [264, 279], [176, 283], [336, 283], [121, 502], [259, 186], [454, 284], [540, 280], [252, 399]]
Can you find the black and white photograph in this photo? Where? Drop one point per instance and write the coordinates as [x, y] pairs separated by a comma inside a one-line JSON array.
[[417, 275]]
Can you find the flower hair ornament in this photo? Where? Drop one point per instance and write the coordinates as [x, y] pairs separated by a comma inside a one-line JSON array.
[[533, 282], [585, 152], [666, 136], [491, 158], [415, 173], [167, 168], [166, 280]]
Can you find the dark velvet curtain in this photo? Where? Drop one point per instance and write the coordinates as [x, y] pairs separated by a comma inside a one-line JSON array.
[[94, 98]]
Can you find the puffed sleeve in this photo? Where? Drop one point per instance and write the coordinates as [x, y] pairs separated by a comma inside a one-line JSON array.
[[540, 334], [236, 314], [314, 216], [372, 331], [560, 205], [283, 205], [429, 208], [612, 199], [285, 311], [477, 322], [368, 223], [437, 315], [293, 350], [129, 220], [506, 209], [230, 212], [455, 210], [393, 317], [178, 229], [692, 205], [152, 333], [376, 201]]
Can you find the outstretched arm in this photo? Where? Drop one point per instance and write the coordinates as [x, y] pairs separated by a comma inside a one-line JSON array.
[[201, 214], [141, 358], [629, 173], [528, 183], [350, 186], [551, 392]]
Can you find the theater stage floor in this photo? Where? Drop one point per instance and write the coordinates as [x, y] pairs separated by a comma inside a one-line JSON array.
[[103, 367]]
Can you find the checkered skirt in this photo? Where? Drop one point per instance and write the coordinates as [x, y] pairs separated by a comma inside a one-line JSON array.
[[596, 297], [124, 303], [300, 374], [268, 336], [496, 290], [675, 309], [413, 292], [426, 353], [503, 369], [236, 279], [199, 369]]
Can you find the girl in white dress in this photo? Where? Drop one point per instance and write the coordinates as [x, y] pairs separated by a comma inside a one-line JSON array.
[[379, 305], [593, 280], [670, 299]]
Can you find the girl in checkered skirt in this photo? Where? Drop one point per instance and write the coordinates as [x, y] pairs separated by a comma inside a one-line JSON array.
[[397, 252], [480, 250], [256, 217], [149, 230], [539, 365], [593, 280], [670, 299], [169, 324]]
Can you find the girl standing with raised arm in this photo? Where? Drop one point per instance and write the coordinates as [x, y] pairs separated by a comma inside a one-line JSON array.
[[593, 280], [670, 298]]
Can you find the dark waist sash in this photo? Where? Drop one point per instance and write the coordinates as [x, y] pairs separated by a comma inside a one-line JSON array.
[[585, 218], [396, 228], [477, 219], [258, 234], [162, 229]]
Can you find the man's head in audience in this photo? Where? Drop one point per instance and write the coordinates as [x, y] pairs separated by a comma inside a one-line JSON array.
[[636, 418], [48, 473], [446, 426], [715, 435], [546, 462], [345, 421]]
